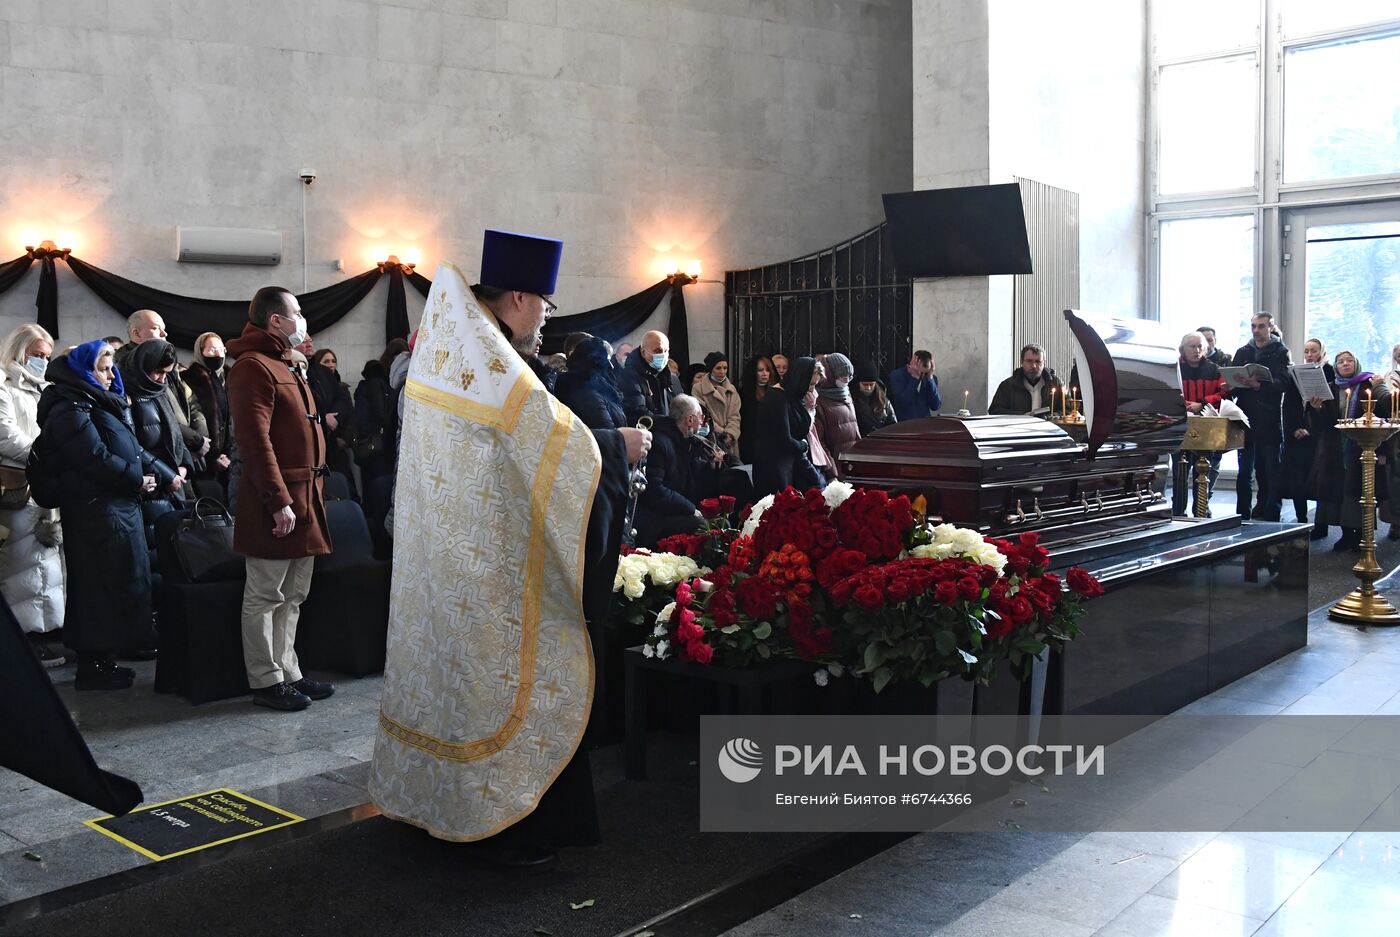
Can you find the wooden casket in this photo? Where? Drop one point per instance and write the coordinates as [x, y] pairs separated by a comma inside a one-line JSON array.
[[1003, 475]]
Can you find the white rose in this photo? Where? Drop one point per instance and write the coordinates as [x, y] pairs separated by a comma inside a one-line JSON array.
[[665, 613], [821, 677], [661, 648], [648, 650], [755, 514], [704, 585], [965, 541], [944, 533], [835, 493], [634, 590]]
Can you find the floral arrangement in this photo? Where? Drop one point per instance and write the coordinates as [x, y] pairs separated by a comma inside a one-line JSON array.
[[646, 581], [853, 579]]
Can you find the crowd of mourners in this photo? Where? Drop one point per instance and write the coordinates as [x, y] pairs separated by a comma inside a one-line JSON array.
[[1293, 450], [129, 434]]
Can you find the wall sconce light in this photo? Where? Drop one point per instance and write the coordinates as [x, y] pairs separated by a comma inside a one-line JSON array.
[[48, 249], [411, 260], [677, 271]]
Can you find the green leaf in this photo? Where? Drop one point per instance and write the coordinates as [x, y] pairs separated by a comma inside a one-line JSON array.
[[764, 651], [873, 656], [945, 641], [33, 857], [763, 630], [882, 677], [967, 658], [579, 905], [544, 932]]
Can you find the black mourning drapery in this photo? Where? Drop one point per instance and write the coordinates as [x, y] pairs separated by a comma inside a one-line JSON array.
[[396, 309], [37, 736], [420, 283], [615, 321], [47, 300], [678, 330], [12, 271], [186, 317]]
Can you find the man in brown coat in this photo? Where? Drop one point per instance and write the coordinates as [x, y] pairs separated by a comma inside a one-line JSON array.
[[281, 524]]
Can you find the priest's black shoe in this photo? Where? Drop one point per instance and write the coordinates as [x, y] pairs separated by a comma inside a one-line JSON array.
[[281, 696], [313, 689], [102, 673]]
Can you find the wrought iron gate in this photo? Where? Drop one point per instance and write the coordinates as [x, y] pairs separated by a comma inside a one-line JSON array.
[[847, 298]]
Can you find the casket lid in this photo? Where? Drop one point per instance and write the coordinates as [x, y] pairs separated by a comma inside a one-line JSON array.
[[1129, 383], [967, 440]]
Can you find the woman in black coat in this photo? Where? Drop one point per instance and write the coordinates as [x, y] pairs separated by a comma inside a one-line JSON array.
[[1300, 443], [376, 412], [144, 372], [589, 387], [91, 465], [780, 450], [760, 377], [205, 379]]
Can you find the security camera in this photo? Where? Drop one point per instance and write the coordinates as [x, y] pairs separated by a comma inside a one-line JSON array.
[[308, 176]]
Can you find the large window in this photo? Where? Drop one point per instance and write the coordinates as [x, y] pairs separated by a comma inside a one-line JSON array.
[[1341, 113], [1262, 109], [1353, 289], [1207, 139], [1207, 276]]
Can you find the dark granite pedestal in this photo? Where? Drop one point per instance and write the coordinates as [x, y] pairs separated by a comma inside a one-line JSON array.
[[1189, 608]]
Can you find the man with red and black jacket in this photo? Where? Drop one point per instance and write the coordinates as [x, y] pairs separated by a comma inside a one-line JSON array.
[[1201, 386]]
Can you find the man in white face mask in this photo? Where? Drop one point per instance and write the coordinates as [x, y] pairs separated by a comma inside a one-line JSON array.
[[646, 383], [281, 525]]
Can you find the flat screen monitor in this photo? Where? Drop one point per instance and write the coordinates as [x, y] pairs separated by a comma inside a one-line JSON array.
[[976, 230]]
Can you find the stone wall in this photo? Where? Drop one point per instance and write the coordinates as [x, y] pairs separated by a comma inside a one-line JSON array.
[[738, 132]]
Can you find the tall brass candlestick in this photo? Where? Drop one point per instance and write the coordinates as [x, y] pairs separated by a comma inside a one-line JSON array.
[[1362, 605]]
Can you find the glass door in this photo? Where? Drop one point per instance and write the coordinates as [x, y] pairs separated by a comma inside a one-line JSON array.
[[1342, 280]]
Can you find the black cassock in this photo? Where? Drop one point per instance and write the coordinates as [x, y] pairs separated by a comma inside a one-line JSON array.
[[567, 814]]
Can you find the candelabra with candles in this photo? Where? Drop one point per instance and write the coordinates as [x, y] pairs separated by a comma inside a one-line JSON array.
[[1068, 418], [1363, 605]]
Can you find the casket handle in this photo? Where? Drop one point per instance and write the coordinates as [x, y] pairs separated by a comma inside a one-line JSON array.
[[1035, 506], [1098, 499], [1020, 512]]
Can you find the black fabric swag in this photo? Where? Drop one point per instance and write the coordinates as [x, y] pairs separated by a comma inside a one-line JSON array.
[[37, 736], [12, 271], [615, 321], [186, 317]]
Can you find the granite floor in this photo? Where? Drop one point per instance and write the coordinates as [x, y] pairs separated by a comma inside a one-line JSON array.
[[1151, 884]]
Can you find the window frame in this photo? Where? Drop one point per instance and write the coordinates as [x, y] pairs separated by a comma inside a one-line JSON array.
[[1269, 198]]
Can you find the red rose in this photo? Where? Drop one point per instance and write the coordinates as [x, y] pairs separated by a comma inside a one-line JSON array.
[[969, 588], [899, 591], [1037, 597], [841, 592], [683, 595], [1081, 582], [945, 593], [826, 537], [700, 652], [998, 627], [868, 598], [1020, 609], [1030, 538]]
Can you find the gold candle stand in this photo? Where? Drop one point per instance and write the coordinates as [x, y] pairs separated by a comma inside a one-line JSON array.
[[1362, 606], [1204, 435]]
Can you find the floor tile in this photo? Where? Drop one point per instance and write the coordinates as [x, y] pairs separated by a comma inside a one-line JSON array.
[[1088, 884], [992, 919], [1243, 876], [1155, 916], [1178, 846], [1334, 904]]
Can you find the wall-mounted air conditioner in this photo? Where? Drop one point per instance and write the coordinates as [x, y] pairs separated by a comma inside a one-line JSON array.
[[229, 246]]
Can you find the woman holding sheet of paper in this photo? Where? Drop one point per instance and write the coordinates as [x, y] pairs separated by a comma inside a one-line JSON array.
[[1309, 424]]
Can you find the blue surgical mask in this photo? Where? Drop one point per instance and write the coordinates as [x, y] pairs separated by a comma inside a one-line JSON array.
[[703, 430], [658, 362], [37, 366]]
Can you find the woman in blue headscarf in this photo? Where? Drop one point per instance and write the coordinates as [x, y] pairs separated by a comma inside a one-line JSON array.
[[91, 465]]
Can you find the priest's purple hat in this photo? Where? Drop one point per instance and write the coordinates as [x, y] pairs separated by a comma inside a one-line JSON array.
[[521, 262]]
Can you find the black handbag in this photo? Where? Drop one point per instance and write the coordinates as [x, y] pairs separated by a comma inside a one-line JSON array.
[[369, 445], [203, 543]]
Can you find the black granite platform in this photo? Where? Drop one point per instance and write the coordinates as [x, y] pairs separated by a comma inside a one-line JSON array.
[[1189, 607]]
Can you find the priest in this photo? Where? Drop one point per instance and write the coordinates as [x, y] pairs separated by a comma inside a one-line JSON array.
[[507, 522]]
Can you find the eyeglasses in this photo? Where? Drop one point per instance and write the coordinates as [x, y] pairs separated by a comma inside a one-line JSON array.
[[549, 307]]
